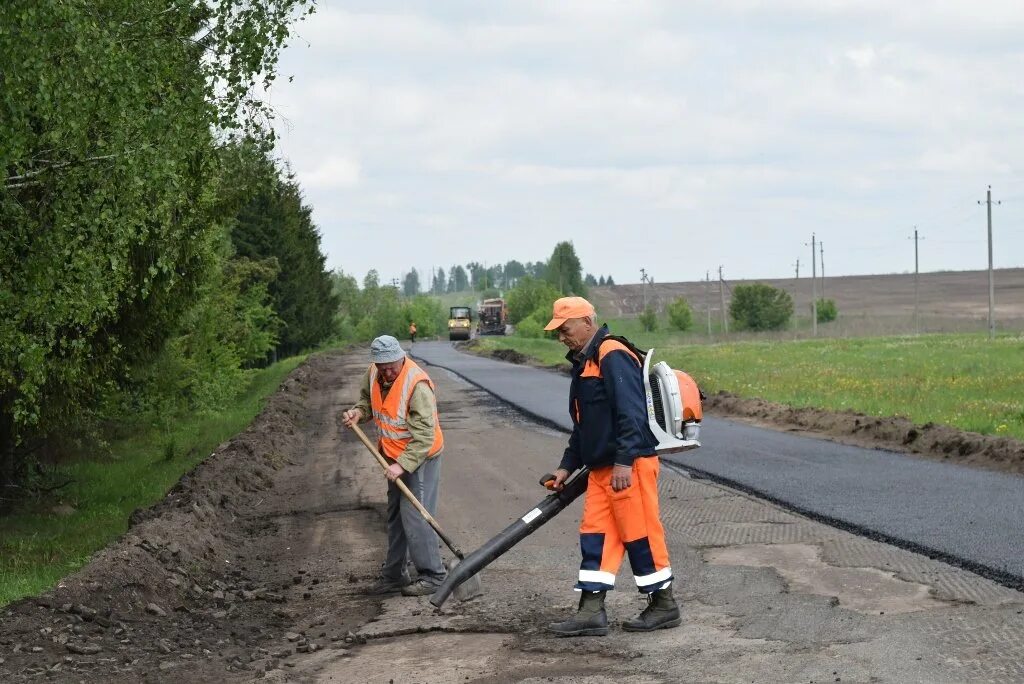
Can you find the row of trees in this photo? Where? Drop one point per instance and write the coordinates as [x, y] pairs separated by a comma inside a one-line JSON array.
[[375, 309], [479, 278], [137, 269]]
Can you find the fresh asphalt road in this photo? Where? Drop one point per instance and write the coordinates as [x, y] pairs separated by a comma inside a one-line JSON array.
[[970, 517]]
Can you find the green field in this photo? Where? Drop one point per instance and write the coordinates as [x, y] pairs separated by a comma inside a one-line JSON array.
[[39, 546], [965, 381]]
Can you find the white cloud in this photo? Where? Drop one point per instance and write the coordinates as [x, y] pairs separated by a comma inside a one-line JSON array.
[[508, 126], [333, 173]]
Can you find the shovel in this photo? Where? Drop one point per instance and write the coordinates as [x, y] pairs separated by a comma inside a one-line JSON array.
[[470, 588]]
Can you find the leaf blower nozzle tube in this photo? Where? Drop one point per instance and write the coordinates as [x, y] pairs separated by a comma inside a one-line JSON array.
[[522, 528]]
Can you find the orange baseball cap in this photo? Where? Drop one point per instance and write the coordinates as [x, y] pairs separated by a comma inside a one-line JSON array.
[[569, 307]]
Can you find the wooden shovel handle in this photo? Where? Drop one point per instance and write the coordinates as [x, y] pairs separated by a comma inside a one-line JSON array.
[[372, 448]]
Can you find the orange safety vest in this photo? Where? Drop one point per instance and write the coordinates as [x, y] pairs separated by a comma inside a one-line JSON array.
[[389, 413]]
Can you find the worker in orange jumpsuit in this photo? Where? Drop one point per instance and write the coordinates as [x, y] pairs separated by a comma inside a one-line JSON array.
[[611, 437]]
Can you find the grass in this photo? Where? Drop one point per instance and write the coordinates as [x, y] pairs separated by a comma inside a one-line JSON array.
[[39, 547], [964, 380]]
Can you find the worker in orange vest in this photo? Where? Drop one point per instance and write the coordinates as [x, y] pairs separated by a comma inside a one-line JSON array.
[[399, 397], [412, 331]]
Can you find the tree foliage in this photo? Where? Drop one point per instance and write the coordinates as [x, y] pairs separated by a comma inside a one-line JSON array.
[[513, 271], [564, 271], [827, 310], [411, 283], [110, 206], [760, 307], [648, 319], [680, 315], [529, 296], [374, 310], [458, 281], [439, 283], [275, 224]]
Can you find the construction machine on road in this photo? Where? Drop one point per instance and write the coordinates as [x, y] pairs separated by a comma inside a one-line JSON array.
[[492, 317], [460, 323]]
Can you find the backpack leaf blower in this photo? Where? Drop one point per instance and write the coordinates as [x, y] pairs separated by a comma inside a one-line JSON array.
[[674, 414]]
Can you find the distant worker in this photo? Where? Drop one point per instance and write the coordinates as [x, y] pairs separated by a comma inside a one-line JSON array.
[[611, 437], [412, 331], [399, 396]]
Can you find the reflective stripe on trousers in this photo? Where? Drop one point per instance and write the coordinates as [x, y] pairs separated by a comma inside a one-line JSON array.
[[619, 523]]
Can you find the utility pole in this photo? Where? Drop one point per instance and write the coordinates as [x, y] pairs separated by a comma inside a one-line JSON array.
[[707, 300], [917, 296], [814, 286], [821, 249], [721, 295], [643, 288], [798, 269], [991, 277]]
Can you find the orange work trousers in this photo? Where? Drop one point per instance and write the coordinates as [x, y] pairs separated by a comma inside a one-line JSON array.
[[624, 522]]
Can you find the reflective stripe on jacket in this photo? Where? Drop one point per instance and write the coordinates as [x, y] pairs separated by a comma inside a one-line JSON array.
[[608, 407], [391, 413]]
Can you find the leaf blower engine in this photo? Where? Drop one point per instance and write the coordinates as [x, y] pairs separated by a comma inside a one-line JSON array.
[[674, 414], [673, 407]]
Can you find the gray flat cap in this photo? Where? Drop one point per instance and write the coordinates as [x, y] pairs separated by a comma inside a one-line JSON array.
[[386, 349]]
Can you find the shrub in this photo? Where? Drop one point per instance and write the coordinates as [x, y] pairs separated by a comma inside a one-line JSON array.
[[529, 295], [530, 328], [827, 310], [649, 320], [680, 315], [760, 307]]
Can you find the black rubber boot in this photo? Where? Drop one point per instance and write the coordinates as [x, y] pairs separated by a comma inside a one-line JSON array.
[[589, 620], [661, 613]]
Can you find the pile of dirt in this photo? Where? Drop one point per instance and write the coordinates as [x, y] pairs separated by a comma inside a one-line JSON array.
[[510, 355], [168, 588], [896, 434]]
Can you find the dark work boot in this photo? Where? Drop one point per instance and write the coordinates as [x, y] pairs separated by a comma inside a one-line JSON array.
[[589, 620], [661, 613]]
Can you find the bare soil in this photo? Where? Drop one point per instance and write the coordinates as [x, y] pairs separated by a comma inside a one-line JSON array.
[[208, 579], [949, 301]]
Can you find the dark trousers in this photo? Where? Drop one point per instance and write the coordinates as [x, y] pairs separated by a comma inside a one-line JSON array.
[[409, 535]]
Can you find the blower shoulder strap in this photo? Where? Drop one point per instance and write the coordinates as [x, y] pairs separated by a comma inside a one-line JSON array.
[[640, 354]]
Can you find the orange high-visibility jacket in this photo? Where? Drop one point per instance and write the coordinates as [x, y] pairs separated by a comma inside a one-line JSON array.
[[390, 413]]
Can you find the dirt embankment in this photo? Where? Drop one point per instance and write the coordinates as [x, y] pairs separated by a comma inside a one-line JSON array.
[[939, 442], [184, 588]]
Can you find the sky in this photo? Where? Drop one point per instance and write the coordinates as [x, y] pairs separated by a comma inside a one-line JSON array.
[[676, 137]]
